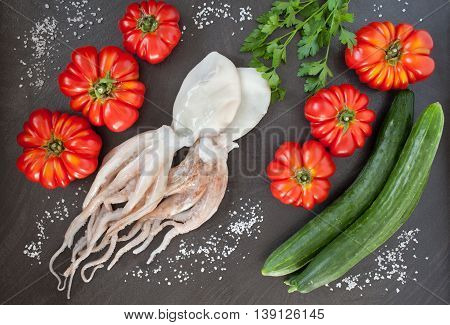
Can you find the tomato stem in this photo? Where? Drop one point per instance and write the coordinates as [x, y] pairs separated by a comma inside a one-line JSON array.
[[303, 176], [54, 146], [147, 23], [345, 117], [103, 88], [393, 52]]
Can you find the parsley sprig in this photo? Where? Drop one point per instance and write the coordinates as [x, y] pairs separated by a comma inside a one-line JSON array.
[[317, 22]]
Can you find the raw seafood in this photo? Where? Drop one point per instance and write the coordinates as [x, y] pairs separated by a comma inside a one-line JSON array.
[[137, 193], [255, 100], [209, 96]]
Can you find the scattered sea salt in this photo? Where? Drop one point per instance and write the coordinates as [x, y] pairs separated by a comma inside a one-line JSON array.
[[48, 35], [208, 13], [390, 265], [60, 212], [377, 9], [208, 254]]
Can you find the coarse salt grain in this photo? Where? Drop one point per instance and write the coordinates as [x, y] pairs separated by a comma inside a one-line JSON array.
[[209, 12], [45, 38], [60, 212], [390, 265], [377, 9]]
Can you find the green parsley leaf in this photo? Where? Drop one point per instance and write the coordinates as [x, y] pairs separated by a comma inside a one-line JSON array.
[[310, 68], [307, 46], [281, 5], [316, 22], [333, 4], [347, 38], [277, 56]]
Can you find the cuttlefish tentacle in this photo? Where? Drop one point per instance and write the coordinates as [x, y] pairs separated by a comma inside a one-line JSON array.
[[116, 159], [98, 264], [145, 232], [204, 208]]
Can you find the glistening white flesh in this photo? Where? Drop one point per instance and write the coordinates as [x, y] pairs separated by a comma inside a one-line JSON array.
[[208, 98], [255, 100]]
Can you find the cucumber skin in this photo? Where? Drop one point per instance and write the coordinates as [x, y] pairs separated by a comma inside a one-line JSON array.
[[387, 214], [321, 230]]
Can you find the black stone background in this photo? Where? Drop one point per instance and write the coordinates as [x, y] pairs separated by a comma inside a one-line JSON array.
[[21, 201]]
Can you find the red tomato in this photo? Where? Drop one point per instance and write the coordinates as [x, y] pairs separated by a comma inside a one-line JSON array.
[[104, 86], [57, 148], [391, 57], [150, 30], [299, 174], [340, 118]]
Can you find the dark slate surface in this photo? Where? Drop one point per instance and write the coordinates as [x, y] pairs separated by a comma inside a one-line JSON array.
[[242, 283]]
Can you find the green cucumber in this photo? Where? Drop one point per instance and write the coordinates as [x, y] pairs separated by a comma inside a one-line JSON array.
[[388, 212], [321, 230]]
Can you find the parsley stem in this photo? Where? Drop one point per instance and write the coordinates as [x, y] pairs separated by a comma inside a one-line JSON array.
[[331, 29]]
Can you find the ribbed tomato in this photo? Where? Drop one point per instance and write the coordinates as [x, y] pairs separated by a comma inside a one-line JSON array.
[[57, 148], [340, 118], [391, 57], [299, 174], [104, 86], [150, 30]]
